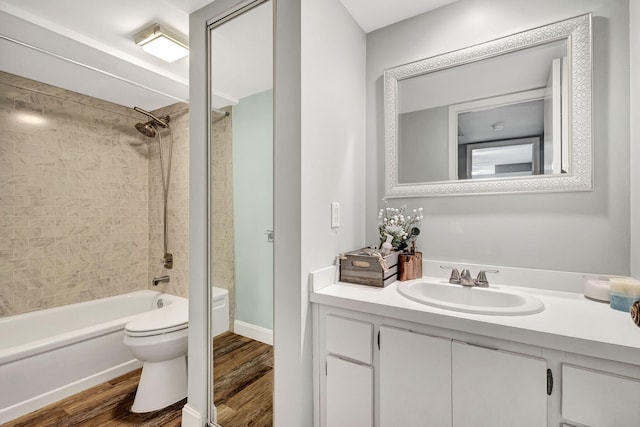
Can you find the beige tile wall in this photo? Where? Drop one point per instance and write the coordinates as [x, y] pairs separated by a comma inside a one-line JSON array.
[[223, 266], [74, 198], [81, 199]]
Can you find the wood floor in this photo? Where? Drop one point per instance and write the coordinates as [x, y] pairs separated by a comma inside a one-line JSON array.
[[243, 381], [243, 378]]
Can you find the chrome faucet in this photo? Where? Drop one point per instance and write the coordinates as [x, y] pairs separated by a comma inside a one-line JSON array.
[[465, 279]]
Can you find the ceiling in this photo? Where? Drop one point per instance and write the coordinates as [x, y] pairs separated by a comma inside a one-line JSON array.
[[374, 14], [98, 37]]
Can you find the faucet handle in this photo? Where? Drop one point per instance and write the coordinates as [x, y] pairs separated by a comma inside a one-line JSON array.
[[455, 274], [481, 280]]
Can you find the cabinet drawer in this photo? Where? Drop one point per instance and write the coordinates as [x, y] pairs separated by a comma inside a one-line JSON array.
[[350, 338], [599, 399]]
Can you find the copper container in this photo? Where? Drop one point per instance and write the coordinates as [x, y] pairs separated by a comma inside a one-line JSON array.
[[409, 266]]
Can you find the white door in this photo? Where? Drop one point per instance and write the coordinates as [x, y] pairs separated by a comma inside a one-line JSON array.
[[415, 379], [497, 388], [349, 395]]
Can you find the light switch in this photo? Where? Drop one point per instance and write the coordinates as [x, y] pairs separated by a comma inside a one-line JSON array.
[[335, 215]]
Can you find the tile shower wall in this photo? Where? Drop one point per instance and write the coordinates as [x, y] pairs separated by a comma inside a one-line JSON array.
[[74, 198], [223, 266], [178, 202]]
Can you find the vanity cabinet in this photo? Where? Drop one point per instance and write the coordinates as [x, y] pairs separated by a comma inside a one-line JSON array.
[[497, 388], [348, 372], [379, 371], [415, 379], [349, 394], [599, 399], [451, 383]]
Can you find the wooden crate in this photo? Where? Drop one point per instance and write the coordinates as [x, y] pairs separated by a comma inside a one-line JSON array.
[[358, 267]]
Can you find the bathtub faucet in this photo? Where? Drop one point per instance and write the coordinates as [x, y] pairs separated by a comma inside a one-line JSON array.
[[160, 279]]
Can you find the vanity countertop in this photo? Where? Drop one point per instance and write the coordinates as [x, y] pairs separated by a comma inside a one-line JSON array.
[[569, 322]]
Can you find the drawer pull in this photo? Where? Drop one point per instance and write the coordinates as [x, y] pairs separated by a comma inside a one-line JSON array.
[[361, 264]]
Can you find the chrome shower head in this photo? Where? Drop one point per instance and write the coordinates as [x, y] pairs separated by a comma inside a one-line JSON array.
[[147, 129]]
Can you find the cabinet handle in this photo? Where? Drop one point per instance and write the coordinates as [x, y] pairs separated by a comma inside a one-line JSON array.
[[549, 382], [378, 339]]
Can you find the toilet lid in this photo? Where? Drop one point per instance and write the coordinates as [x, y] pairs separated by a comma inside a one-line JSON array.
[[172, 317]]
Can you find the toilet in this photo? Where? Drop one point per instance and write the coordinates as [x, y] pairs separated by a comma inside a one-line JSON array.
[[219, 310], [158, 338]]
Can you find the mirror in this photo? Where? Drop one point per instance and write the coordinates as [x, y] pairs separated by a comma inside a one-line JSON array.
[[240, 74], [510, 115]]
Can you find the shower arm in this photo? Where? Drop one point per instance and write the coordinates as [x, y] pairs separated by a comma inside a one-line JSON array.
[[158, 120]]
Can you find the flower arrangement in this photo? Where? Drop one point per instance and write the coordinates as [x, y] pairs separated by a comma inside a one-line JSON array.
[[402, 228]]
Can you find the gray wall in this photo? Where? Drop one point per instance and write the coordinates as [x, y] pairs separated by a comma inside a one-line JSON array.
[[420, 157], [634, 15], [586, 232]]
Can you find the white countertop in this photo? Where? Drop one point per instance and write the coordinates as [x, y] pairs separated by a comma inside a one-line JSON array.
[[569, 322]]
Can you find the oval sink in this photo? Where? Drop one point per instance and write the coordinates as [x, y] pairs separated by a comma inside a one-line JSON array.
[[471, 299]]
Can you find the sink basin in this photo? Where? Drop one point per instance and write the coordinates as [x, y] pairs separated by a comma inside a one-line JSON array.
[[471, 299]]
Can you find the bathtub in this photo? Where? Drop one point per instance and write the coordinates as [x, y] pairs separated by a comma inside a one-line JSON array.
[[50, 354]]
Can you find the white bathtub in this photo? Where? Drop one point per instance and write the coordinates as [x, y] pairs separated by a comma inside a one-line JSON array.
[[50, 354]]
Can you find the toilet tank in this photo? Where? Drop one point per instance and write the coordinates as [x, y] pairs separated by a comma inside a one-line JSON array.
[[220, 310]]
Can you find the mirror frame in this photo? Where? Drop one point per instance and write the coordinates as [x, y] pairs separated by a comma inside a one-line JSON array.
[[577, 32]]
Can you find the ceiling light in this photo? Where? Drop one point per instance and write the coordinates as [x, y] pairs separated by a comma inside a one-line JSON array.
[[157, 41]]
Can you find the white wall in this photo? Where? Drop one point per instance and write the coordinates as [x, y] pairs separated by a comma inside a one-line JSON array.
[[333, 150], [634, 15], [586, 232], [333, 131]]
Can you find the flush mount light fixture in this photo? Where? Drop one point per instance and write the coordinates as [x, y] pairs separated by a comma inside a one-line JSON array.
[[157, 41]]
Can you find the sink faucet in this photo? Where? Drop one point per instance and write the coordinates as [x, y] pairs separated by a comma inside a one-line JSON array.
[[465, 279]]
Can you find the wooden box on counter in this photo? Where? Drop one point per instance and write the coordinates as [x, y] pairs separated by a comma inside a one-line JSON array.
[[363, 269]]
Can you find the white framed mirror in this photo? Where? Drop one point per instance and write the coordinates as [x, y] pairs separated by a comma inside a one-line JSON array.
[[512, 115]]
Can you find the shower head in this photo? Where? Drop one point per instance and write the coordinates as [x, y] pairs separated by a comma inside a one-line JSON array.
[[147, 129], [150, 128]]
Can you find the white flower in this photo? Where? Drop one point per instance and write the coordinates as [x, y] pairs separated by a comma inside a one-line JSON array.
[[395, 223]]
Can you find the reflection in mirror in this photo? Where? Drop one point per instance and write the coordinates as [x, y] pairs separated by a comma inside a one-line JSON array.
[[500, 99], [241, 222], [442, 114]]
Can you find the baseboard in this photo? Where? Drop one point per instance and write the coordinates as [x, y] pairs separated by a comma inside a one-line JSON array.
[[254, 332], [42, 400], [191, 417]]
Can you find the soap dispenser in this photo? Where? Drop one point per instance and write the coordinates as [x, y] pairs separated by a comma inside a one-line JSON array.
[[386, 246]]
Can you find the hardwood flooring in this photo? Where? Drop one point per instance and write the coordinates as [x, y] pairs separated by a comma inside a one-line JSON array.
[[243, 378], [243, 381]]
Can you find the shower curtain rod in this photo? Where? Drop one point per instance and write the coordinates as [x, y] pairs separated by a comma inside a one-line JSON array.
[[89, 67], [219, 111]]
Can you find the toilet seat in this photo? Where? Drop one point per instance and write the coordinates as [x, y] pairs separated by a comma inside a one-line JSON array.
[[171, 318]]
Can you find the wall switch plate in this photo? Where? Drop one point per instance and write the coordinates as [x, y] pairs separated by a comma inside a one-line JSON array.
[[335, 215]]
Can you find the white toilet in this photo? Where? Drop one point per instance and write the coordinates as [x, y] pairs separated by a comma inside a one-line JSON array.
[[219, 310], [158, 338]]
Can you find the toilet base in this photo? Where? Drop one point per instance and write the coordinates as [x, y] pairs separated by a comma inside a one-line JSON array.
[[161, 384]]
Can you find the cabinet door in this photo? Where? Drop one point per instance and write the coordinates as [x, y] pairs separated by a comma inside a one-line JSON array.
[[349, 395], [415, 379], [497, 388], [601, 399]]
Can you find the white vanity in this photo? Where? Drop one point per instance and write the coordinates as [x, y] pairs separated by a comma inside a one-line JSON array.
[[382, 359]]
